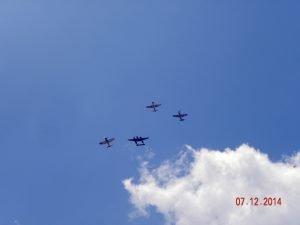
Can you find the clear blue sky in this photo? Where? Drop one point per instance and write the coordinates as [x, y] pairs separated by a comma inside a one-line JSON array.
[[73, 72]]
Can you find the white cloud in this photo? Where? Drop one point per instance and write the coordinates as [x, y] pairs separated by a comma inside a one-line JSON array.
[[201, 186]]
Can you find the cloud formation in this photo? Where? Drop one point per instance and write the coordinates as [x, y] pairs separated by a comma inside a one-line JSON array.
[[201, 187]]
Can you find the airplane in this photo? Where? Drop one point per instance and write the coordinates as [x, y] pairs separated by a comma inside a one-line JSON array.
[[153, 106], [107, 141], [137, 140], [180, 115]]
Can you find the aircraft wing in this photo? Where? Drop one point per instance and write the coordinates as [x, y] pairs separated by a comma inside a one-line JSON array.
[[149, 106], [111, 139], [102, 143]]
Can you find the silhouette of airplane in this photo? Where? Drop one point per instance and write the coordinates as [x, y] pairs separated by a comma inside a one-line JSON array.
[[107, 141], [180, 115], [153, 106], [139, 141]]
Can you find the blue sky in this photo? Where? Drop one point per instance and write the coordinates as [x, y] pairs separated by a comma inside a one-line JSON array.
[[73, 72]]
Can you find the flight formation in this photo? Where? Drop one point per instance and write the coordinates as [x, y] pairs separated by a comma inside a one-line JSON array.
[[138, 140]]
